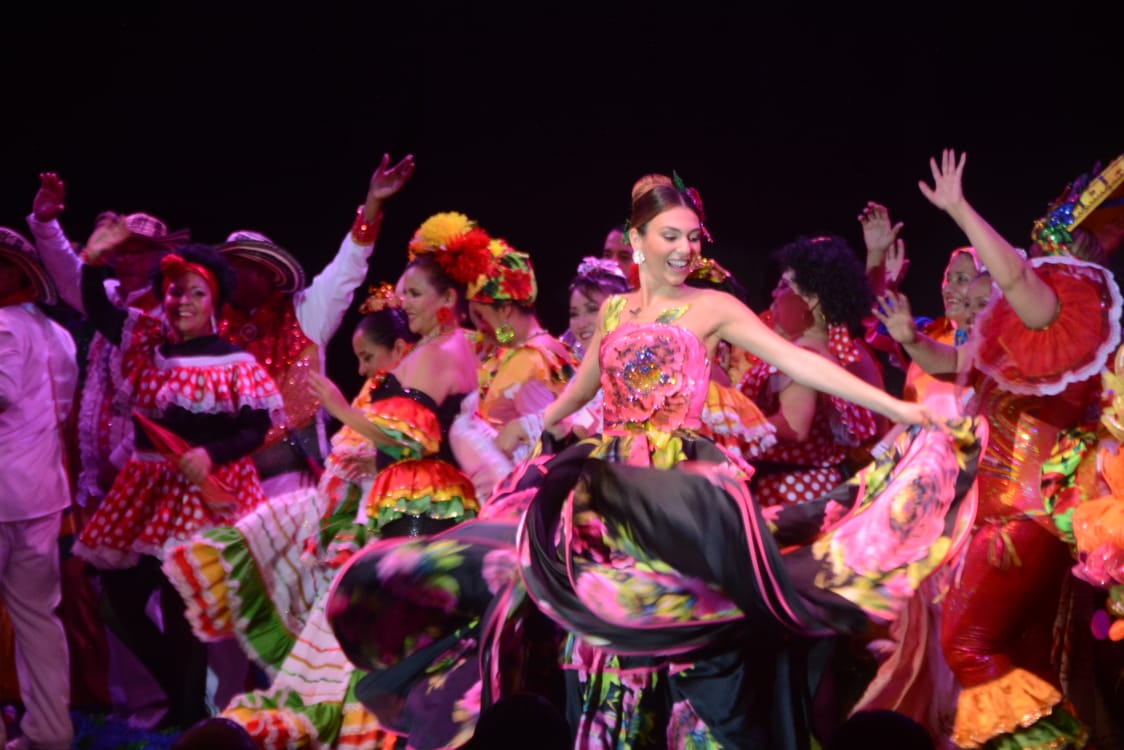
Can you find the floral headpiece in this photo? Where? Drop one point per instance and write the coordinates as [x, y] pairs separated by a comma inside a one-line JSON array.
[[509, 277], [380, 297], [458, 244], [593, 266], [1077, 202]]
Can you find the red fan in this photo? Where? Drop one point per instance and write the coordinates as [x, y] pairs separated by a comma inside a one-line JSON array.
[[172, 447]]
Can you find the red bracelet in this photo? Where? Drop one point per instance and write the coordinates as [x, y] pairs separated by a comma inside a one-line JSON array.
[[364, 232]]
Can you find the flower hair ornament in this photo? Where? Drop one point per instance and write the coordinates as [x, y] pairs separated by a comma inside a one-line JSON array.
[[509, 277], [380, 297], [1102, 195], [456, 242], [696, 200]]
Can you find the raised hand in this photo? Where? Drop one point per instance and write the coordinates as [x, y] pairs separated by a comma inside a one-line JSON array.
[[387, 180], [110, 231], [947, 192], [892, 311], [878, 233], [896, 264], [48, 204]]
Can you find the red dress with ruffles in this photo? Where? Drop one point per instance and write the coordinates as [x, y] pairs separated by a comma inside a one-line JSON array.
[[1033, 385], [152, 501]]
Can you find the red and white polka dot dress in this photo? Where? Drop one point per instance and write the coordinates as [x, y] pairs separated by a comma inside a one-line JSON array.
[[152, 502], [811, 467]]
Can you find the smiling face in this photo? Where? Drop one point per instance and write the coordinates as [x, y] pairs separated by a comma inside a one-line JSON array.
[[978, 297], [671, 243], [959, 274], [189, 306], [583, 315], [421, 300]]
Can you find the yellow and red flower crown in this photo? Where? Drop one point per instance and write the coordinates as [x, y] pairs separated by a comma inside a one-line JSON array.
[[508, 278]]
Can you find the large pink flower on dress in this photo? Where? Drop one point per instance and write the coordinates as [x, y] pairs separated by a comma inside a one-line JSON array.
[[645, 379]]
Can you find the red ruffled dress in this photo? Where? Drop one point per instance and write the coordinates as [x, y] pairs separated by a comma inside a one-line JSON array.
[[1035, 386], [207, 392]]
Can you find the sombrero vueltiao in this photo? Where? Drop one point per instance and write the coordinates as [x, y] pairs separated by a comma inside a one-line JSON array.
[[17, 249], [288, 275]]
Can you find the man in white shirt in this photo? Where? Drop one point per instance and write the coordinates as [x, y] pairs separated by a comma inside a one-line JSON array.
[[38, 376]]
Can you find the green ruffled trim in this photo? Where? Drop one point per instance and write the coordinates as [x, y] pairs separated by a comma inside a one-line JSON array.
[[405, 445], [257, 624], [424, 506], [1060, 730]]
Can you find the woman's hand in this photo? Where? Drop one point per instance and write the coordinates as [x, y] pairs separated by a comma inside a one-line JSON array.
[[511, 436], [878, 233], [387, 181], [109, 232], [892, 311], [909, 413], [326, 392], [196, 465], [896, 264], [48, 204], [947, 192]]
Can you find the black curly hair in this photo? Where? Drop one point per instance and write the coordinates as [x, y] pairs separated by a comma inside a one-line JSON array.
[[827, 267], [210, 258]]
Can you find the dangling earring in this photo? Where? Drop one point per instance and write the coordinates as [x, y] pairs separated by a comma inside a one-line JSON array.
[[444, 316], [505, 334], [637, 256], [214, 326]]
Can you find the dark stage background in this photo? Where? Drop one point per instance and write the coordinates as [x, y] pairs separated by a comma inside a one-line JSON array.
[[535, 120]]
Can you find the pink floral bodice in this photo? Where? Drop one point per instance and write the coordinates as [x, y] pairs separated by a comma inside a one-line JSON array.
[[653, 375]]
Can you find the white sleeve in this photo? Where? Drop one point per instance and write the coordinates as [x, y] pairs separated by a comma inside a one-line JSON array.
[[62, 263], [472, 440], [321, 306]]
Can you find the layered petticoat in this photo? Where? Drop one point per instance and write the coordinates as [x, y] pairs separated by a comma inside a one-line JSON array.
[[263, 580]]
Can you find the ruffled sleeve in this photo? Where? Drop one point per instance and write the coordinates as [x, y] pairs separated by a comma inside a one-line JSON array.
[[1073, 348]]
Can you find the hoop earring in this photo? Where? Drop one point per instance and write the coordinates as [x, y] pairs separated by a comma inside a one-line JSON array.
[[505, 334]]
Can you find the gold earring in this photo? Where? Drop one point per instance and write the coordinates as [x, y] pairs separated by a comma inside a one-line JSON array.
[[505, 334]]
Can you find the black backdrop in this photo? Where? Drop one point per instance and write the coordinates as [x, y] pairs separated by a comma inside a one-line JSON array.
[[535, 120]]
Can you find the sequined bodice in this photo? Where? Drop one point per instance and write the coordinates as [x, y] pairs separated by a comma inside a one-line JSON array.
[[653, 375]]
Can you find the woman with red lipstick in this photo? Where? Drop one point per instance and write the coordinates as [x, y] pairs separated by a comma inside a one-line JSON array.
[[202, 405]]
